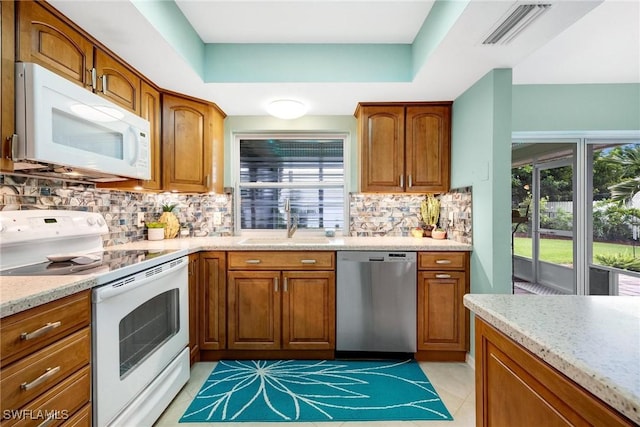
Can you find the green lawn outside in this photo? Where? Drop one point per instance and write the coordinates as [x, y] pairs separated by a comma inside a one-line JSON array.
[[560, 251]]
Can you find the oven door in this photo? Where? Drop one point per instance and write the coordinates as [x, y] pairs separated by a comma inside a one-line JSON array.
[[140, 325]]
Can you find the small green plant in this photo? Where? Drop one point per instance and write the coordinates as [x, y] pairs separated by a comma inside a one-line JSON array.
[[624, 261], [168, 207], [155, 224], [430, 210]]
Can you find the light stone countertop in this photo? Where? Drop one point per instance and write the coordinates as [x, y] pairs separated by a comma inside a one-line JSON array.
[[21, 293], [593, 340]]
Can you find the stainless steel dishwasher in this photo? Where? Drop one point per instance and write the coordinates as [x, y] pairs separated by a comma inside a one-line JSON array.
[[376, 302]]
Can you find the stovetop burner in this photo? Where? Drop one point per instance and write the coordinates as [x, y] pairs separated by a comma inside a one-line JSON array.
[[110, 260]]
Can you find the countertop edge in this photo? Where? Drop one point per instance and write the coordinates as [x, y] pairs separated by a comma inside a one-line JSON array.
[[580, 373], [192, 245]]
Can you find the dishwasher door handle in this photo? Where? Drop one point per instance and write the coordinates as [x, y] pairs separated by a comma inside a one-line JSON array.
[[376, 259]]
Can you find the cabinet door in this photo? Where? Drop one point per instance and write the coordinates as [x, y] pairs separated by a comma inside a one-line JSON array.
[[308, 310], [53, 43], [117, 82], [441, 313], [7, 83], [427, 144], [254, 309], [151, 110], [382, 148], [213, 291], [186, 144], [194, 307]]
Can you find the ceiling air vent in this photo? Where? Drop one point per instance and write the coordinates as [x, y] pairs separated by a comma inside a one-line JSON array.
[[519, 19]]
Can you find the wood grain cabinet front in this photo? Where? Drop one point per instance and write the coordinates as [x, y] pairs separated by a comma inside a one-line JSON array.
[[404, 147], [192, 143], [213, 300], [516, 387], [443, 332], [46, 363], [281, 300]]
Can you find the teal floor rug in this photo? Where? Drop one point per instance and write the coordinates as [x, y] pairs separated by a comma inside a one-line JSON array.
[[316, 390]]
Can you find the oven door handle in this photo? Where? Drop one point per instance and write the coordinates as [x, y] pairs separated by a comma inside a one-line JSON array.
[[109, 291]]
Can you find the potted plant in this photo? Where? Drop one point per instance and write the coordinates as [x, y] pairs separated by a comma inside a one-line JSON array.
[[155, 230], [430, 212], [438, 233]]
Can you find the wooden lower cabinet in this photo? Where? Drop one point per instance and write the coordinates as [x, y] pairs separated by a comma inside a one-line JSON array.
[[291, 308], [516, 388], [213, 301], [273, 310], [443, 331], [45, 375]]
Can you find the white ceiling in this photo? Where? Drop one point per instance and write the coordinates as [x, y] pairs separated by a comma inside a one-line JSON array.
[[577, 41]]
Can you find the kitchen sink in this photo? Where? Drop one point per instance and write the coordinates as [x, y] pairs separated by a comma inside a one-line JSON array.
[[283, 241]]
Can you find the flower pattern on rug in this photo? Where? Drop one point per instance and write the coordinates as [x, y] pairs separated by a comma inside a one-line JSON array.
[[296, 390]]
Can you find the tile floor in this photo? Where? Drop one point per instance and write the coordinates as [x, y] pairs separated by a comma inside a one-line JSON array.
[[454, 382]]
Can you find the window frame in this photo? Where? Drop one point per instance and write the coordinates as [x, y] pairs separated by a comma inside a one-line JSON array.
[[235, 167]]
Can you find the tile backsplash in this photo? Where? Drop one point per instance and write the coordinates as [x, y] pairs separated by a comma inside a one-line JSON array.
[[382, 214], [370, 214], [119, 208]]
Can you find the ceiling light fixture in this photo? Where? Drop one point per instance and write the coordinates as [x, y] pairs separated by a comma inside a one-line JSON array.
[[287, 109], [520, 18]]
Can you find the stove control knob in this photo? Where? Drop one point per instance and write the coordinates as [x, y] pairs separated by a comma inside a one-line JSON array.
[[91, 220], [100, 221], [2, 227]]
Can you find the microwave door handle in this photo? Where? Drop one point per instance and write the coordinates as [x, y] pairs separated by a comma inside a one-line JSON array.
[[136, 138]]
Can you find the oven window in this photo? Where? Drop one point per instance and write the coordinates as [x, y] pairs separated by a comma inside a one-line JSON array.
[[147, 328]]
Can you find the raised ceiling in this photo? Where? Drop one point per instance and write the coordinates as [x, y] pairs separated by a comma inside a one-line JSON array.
[[333, 54]]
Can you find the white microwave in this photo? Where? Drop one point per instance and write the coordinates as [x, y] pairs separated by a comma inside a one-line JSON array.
[[62, 124]]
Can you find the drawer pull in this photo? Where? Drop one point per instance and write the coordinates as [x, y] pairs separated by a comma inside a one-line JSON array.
[[42, 378], [308, 261], [443, 276], [39, 332], [443, 261], [50, 420], [253, 261]]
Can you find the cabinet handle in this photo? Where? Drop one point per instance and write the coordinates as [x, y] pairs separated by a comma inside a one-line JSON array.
[[12, 150], [443, 276], [275, 284], [48, 373], [253, 261], [443, 261], [402, 181], [26, 336], [410, 181], [104, 83], [208, 181], [50, 419], [285, 285], [94, 79], [308, 261]]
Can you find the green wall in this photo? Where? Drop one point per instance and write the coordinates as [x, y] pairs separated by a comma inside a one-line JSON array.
[[580, 107], [481, 158]]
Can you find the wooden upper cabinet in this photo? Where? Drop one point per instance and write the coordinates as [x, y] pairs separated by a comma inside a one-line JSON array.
[[382, 148], [7, 83], [151, 109], [405, 147], [47, 40], [117, 82], [428, 148], [191, 133]]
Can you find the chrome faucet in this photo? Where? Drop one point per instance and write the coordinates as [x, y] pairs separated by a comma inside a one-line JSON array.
[[292, 220]]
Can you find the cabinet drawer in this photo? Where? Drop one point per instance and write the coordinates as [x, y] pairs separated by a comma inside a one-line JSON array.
[[29, 377], [58, 404], [442, 260], [30, 330], [281, 260]]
